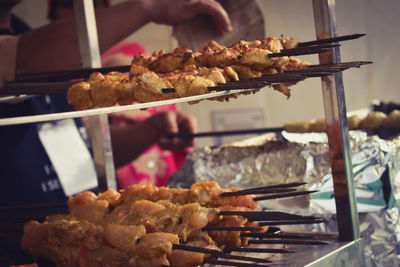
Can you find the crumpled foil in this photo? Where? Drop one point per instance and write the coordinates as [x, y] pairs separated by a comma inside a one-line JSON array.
[[267, 160], [254, 162]]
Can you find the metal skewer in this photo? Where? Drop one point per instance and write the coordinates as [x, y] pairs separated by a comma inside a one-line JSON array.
[[233, 229], [291, 222], [293, 235], [232, 132], [39, 86], [332, 40], [298, 51], [258, 191], [231, 263], [257, 250], [283, 195], [267, 215], [287, 241], [250, 191], [218, 253]]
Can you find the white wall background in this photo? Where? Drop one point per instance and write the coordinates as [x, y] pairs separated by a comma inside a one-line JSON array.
[[377, 18]]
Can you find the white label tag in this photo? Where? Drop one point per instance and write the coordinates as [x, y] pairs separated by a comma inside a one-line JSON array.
[[69, 155]]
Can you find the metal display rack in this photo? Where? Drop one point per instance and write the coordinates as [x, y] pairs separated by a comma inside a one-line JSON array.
[[348, 250]]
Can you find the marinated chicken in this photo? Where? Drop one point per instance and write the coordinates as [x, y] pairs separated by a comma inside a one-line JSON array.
[[81, 243], [188, 72], [253, 54], [138, 227], [373, 120], [184, 212], [79, 96], [149, 87], [393, 119], [205, 193]]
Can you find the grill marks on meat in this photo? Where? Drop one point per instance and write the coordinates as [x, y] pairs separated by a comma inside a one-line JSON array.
[[250, 53]]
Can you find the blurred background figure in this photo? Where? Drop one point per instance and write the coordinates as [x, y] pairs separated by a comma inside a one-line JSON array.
[[26, 165], [155, 165]]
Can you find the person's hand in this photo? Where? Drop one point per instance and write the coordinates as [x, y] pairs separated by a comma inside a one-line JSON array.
[[169, 123], [175, 11]]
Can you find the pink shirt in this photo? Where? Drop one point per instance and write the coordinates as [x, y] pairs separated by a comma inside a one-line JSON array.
[[155, 165]]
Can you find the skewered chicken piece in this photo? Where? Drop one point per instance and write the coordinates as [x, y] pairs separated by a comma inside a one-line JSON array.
[[79, 96], [232, 238], [104, 89], [188, 221], [163, 216], [373, 120], [182, 258], [126, 91], [190, 85], [393, 119], [149, 88]]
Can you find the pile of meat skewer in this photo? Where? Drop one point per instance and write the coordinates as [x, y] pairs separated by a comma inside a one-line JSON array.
[[246, 66], [145, 225], [188, 73], [373, 120]]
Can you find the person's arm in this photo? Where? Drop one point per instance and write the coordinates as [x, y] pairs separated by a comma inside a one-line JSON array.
[[129, 142], [55, 46], [175, 11]]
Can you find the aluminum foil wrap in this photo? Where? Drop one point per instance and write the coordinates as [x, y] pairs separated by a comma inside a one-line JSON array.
[[267, 160], [254, 162]]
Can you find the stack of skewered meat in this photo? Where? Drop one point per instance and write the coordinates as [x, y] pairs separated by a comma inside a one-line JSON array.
[[187, 73], [373, 120], [145, 225]]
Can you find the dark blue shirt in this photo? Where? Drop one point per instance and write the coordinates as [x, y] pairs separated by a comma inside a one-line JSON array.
[[27, 176]]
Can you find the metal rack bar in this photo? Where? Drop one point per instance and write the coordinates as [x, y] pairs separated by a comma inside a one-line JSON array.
[[337, 128], [100, 131], [332, 255], [108, 110]]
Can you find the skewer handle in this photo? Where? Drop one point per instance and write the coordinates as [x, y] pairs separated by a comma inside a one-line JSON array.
[[332, 40], [232, 132]]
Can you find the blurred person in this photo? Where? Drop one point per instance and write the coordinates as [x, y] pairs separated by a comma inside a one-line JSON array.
[[28, 170], [27, 173], [155, 165]]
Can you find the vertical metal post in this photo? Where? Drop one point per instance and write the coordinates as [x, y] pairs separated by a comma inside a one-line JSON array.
[[99, 128], [337, 128]]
